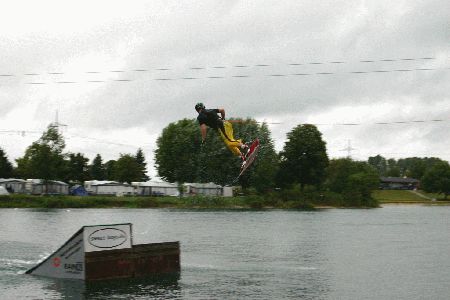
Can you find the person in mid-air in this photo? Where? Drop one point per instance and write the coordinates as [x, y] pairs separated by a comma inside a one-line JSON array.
[[210, 118]]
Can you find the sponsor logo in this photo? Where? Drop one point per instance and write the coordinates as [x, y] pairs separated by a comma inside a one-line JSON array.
[[56, 262], [76, 267], [107, 238]]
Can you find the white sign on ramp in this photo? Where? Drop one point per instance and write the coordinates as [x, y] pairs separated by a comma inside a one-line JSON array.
[[107, 237], [69, 260]]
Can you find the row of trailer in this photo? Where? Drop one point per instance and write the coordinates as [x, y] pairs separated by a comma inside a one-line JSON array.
[[110, 188]]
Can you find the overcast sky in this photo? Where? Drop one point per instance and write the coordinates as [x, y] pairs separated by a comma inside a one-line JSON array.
[[118, 72]]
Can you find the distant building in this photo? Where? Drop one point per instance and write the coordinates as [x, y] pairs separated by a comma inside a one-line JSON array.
[[398, 183], [12, 185], [155, 188], [40, 187], [108, 188], [207, 189]]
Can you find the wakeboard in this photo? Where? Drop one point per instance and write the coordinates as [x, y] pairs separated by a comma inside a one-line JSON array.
[[250, 156]]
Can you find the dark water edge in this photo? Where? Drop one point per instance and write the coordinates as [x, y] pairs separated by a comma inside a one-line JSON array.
[[307, 201], [396, 252]]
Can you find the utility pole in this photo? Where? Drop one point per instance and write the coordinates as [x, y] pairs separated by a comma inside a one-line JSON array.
[[348, 149], [56, 124]]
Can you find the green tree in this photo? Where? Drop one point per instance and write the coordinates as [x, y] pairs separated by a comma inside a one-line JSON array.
[[110, 170], [127, 169], [38, 162], [44, 159], [392, 168], [177, 155], [77, 168], [97, 169], [53, 139], [140, 159], [262, 176], [6, 168], [304, 158], [220, 166], [431, 161], [354, 180], [437, 179], [379, 163], [413, 167]]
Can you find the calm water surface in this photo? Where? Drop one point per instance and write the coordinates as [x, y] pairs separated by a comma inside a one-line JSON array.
[[395, 252]]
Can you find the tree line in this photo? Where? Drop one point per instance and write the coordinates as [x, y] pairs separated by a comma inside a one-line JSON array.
[[302, 164], [45, 159], [433, 173]]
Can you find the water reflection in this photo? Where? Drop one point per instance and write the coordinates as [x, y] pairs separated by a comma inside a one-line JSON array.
[[162, 286], [152, 287]]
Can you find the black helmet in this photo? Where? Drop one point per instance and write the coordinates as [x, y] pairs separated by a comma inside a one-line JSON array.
[[199, 106]]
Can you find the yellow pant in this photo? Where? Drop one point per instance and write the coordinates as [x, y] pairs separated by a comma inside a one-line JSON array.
[[231, 143]]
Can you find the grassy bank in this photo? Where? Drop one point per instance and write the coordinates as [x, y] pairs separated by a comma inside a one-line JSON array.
[[28, 201], [408, 197], [282, 200]]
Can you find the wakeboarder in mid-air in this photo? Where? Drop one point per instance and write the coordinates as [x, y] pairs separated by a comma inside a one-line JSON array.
[[210, 118]]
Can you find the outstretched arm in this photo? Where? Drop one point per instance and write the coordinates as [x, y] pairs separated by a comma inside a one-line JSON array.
[[222, 113]]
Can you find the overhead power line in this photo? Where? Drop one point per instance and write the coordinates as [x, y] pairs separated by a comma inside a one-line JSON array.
[[244, 76], [102, 141], [238, 66], [25, 132], [380, 123]]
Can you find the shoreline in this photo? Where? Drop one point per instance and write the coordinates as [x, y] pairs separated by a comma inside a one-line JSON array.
[[232, 207], [430, 203], [250, 202]]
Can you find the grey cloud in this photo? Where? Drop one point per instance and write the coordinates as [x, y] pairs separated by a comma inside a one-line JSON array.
[[254, 39]]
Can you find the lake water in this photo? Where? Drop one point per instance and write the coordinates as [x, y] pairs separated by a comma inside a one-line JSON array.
[[395, 252]]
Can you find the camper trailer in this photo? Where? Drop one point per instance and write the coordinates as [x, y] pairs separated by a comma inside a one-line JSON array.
[[108, 188], [13, 185], [155, 188], [48, 187]]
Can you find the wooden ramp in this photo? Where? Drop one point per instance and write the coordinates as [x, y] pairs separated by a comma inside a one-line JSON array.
[[106, 252]]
